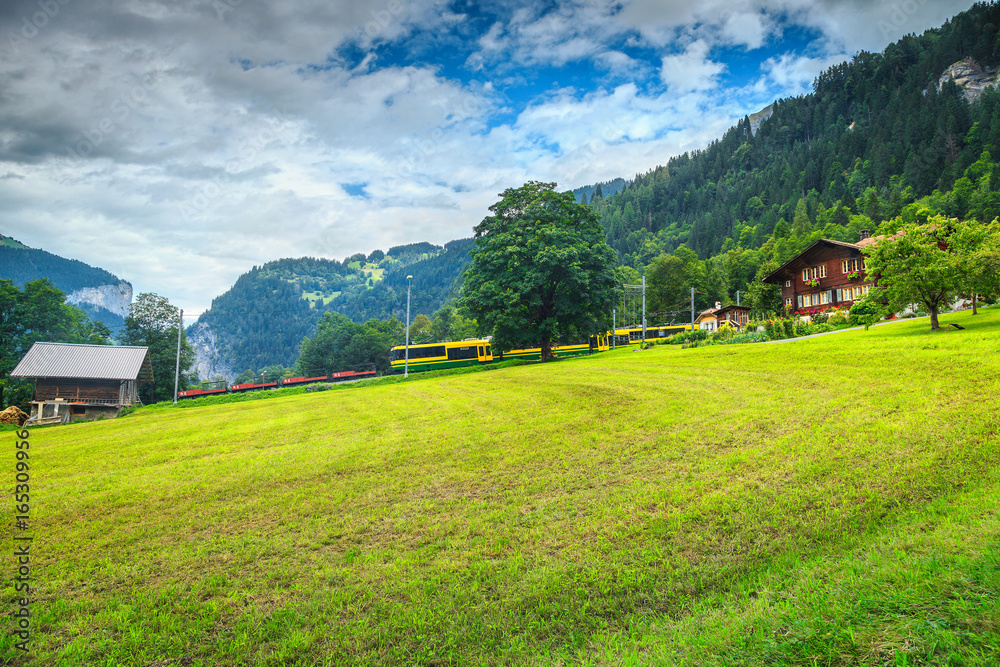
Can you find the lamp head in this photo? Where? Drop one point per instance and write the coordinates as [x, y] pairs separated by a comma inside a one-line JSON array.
[[409, 277]]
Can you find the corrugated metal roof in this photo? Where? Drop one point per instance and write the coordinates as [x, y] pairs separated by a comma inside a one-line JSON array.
[[94, 362]]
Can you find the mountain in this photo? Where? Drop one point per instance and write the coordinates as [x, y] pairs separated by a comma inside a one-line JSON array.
[[102, 295], [605, 188], [261, 320]]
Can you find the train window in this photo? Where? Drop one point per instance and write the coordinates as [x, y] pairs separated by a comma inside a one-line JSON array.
[[487, 350], [420, 352], [481, 351], [455, 353]]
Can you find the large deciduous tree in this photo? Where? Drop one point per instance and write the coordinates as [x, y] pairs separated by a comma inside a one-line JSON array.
[[541, 270], [916, 265], [152, 322], [979, 259]]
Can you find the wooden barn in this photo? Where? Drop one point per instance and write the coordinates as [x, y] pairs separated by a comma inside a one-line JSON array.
[[83, 382]]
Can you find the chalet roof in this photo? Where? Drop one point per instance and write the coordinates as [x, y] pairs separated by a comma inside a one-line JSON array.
[[90, 362], [777, 276], [732, 306]]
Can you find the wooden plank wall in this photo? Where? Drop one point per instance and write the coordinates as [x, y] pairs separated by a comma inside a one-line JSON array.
[[76, 390]]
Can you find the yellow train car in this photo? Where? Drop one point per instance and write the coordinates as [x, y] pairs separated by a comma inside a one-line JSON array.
[[458, 354]]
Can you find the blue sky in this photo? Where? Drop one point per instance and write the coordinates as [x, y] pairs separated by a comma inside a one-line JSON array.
[[177, 143]]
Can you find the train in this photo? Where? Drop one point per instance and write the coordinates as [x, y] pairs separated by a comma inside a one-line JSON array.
[[476, 351], [449, 354], [214, 388]]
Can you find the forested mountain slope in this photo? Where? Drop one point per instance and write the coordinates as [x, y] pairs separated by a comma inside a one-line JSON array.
[[102, 295], [261, 320], [878, 134]]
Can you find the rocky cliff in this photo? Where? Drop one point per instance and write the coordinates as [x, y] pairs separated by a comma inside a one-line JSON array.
[[208, 359], [757, 118], [114, 298], [971, 77]]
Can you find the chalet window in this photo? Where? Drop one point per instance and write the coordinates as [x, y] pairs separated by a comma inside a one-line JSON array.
[[788, 301], [840, 295], [788, 283], [854, 264], [800, 301], [814, 272], [824, 297]]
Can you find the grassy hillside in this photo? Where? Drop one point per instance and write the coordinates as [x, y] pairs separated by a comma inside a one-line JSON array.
[[831, 501]]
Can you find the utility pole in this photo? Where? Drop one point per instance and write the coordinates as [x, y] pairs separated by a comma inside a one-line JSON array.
[[406, 364], [614, 325], [644, 310], [737, 297], [177, 368], [692, 309]]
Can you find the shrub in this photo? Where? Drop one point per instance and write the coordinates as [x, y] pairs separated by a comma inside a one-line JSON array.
[[771, 331], [789, 328], [865, 312], [837, 319], [724, 332]]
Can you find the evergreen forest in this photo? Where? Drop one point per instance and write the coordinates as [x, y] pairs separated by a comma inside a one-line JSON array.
[[879, 137]]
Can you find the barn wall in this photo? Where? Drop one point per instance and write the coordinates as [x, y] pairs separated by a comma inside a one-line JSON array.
[[70, 389]]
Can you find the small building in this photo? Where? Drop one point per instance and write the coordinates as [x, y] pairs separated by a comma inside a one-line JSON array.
[[83, 382], [827, 274], [733, 316]]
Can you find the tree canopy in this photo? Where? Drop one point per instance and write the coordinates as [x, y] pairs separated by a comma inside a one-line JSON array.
[[541, 270], [341, 344], [935, 262], [152, 322]]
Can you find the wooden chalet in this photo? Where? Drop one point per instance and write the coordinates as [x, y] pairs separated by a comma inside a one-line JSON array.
[[827, 274], [83, 382], [713, 318]]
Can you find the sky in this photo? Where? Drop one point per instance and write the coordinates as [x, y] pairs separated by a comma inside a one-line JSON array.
[[178, 143]]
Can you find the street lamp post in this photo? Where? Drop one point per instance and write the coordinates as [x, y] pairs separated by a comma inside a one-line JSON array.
[[406, 364]]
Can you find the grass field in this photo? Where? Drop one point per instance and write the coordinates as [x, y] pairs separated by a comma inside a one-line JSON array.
[[313, 297], [831, 501]]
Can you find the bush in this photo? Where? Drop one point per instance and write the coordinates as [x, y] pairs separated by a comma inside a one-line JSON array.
[[837, 319], [687, 337], [723, 333], [789, 328], [748, 337], [865, 312]]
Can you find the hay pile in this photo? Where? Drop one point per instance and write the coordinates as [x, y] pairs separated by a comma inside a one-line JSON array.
[[13, 415]]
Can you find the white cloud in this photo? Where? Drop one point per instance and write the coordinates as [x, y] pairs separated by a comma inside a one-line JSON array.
[[749, 29], [691, 70]]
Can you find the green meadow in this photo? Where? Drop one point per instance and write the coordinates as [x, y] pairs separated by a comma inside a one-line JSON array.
[[828, 501]]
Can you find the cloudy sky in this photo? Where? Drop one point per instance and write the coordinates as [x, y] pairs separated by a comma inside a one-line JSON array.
[[177, 143]]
